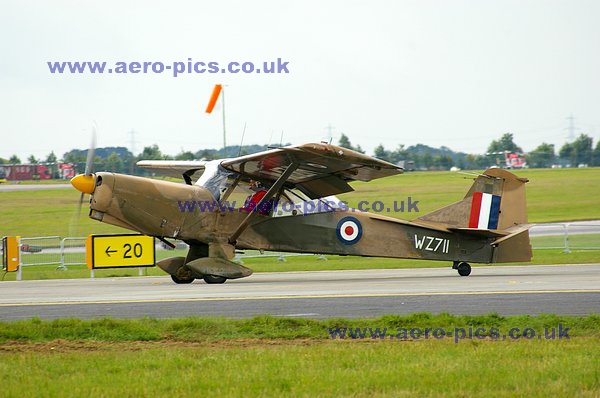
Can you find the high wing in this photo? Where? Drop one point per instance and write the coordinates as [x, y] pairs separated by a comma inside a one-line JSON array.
[[175, 168], [320, 169]]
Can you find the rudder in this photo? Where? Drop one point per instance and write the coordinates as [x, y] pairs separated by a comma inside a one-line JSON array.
[[495, 201]]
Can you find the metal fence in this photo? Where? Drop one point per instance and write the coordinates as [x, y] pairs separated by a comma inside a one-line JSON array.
[[50, 250], [72, 252], [566, 236]]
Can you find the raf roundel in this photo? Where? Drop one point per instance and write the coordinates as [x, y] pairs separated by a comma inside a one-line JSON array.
[[349, 230]]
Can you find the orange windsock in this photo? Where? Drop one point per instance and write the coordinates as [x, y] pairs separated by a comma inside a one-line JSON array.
[[213, 98]]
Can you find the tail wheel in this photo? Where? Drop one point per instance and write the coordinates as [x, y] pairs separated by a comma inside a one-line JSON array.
[[213, 279], [182, 280], [464, 269]]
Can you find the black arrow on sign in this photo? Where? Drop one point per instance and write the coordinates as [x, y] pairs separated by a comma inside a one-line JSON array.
[[108, 251]]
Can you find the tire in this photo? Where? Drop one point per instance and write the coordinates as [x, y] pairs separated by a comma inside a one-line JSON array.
[[464, 269], [213, 279], [182, 281]]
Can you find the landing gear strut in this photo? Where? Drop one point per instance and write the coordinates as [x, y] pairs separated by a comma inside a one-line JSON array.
[[464, 269]]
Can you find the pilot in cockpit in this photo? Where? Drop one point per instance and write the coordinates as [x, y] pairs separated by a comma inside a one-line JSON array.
[[254, 202]]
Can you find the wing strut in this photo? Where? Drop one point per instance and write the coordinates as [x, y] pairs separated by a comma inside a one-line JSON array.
[[270, 193]]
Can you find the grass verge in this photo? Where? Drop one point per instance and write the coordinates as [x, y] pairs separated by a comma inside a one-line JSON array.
[[267, 356]]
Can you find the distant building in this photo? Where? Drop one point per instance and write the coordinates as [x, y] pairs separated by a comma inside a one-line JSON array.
[[21, 172]]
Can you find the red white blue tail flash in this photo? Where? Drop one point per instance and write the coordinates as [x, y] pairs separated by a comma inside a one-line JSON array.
[[485, 210]]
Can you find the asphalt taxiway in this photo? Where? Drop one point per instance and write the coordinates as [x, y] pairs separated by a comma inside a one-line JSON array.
[[507, 290], [32, 187]]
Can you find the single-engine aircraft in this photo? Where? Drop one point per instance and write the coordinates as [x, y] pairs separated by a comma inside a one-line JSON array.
[[488, 225]]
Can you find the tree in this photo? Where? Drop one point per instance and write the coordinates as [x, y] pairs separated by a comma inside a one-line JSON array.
[[32, 160], [596, 155], [505, 143], [567, 153], [427, 160], [151, 153], [14, 159], [542, 156], [114, 163], [187, 155], [207, 154], [381, 153], [443, 161], [399, 154], [345, 142], [583, 147], [51, 160], [577, 152]]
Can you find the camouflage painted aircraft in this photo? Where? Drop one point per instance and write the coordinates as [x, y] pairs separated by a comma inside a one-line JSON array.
[[488, 225]]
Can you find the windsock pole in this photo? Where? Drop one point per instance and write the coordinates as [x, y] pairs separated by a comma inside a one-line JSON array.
[[224, 131]]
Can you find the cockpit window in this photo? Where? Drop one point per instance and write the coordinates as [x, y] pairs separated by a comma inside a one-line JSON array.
[[293, 202], [214, 178]]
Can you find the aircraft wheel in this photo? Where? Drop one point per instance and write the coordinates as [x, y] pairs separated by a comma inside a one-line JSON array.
[[213, 279], [182, 281], [464, 269]]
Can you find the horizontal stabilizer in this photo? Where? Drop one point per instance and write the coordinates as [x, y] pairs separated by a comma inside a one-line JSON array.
[[480, 232], [512, 231]]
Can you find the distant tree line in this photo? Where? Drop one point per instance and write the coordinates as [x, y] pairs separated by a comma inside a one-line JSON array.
[[578, 152], [423, 157]]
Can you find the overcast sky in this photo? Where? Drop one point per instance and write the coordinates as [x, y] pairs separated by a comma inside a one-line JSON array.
[[453, 73]]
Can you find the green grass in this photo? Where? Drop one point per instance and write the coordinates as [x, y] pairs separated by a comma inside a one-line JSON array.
[[428, 368], [47, 213], [552, 194], [267, 356], [213, 329]]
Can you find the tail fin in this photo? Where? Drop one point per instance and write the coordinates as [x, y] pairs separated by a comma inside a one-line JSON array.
[[495, 202]]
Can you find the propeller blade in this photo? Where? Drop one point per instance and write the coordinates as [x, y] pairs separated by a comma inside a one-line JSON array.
[[89, 163], [75, 218], [84, 183], [80, 204]]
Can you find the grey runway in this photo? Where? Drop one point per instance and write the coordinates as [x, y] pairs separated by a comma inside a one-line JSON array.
[[32, 187], [571, 289]]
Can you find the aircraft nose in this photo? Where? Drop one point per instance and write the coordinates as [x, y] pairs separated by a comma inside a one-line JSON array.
[[83, 183]]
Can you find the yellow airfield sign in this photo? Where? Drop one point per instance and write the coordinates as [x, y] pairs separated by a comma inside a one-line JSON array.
[[120, 251]]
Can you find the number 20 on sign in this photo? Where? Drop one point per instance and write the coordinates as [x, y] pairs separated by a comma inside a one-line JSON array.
[[120, 251]]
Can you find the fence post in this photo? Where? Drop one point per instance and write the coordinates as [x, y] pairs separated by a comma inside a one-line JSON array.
[[20, 269], [566, 228], [62, 255]]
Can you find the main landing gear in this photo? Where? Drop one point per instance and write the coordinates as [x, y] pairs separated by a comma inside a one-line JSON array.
[[214, 279], [464, 269], [210, 279]]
